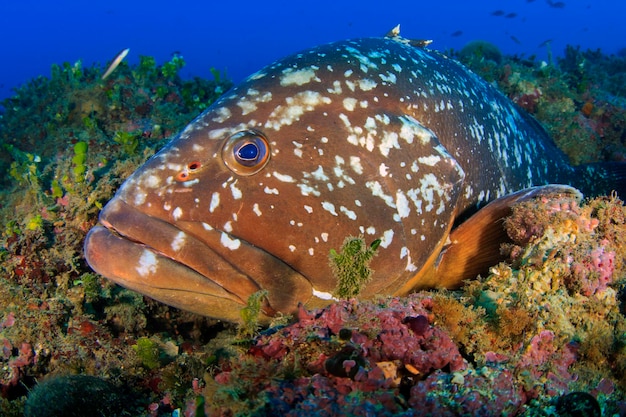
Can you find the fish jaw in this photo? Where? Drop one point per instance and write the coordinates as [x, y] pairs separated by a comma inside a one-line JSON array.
[[189, 269]]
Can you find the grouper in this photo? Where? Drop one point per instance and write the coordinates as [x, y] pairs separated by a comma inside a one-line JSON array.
[[376, 138]]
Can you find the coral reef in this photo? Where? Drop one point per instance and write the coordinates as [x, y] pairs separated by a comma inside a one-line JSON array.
[[580, 98], [543, 334]]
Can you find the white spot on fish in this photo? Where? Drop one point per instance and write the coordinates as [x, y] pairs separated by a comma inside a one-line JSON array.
[[178, 241], [355, 163], [377, 191], [237, 194], [351, 214], [296, 106], [402, 204], [383, 170], [367, 84], [349, 103], [269, 190], [309, 209], [292, 248], [147, 263], [324, 237], [387, 238], [222, 114], [307, 190], [410, 266], [329, 207], [297, 151], [297, 77], [140, 197], [323, 295], [429, 160], [229, 243], [153, 181], [215, 201], [389, 141], [283, 177], [256, 209], [319, 174], [177, 213]]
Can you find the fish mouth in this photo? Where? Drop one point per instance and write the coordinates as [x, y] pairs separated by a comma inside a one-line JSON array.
[[189, 265]]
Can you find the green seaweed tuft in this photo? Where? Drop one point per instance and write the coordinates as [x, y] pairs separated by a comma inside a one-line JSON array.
[[34, 223], [148, 353], [170, 69], [249, 325], [78, 160], [128, 140], [351, 266]]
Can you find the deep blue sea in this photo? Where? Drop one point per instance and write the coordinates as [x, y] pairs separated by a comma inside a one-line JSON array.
[[243, 36]]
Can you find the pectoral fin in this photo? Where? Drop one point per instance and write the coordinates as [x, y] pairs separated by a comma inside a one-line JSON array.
[[474, 245]]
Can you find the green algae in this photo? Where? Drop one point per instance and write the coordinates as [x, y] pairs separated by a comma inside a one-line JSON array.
[[148, 352], [250, 314], [350, 266]]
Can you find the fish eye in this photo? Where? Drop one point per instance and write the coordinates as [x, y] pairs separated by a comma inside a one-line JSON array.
[[246, 152]]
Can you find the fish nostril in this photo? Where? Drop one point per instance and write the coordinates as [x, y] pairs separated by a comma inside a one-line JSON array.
[[194, 166], [182, 176]]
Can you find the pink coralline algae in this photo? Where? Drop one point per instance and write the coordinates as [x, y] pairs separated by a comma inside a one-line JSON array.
[[18, 359], [552, 225], [393, 361], [547, 362], [593, 272]]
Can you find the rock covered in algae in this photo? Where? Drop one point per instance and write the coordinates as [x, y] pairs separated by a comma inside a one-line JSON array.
[[75, 396]]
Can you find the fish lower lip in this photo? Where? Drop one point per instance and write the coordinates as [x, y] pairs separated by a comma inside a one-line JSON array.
[[188, 267]]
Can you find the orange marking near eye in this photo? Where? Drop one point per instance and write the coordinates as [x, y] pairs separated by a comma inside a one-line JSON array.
[[182, 176]]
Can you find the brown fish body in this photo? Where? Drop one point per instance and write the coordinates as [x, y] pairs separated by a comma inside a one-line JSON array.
[[369, 137]]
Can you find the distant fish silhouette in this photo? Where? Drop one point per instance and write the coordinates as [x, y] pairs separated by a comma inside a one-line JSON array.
[[498, 13], [457, 33], [556, 4], [545, 43], [511, 15], [514, 39]]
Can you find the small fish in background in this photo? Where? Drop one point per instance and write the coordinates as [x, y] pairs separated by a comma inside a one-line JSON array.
[[556, 4], [115, 63], [514, 39], [545, 43], [456, 34], [498, 13], [511, 15]]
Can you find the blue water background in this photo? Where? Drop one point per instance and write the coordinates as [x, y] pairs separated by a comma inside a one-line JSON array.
[[243, 36]]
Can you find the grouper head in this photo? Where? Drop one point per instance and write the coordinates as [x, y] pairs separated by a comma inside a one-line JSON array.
[[342, 140], [257, 190]]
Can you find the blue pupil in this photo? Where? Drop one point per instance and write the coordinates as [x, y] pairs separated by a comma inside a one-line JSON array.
[[248, 152]]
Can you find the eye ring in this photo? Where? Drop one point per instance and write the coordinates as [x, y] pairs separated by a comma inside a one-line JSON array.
[[246, 152]]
